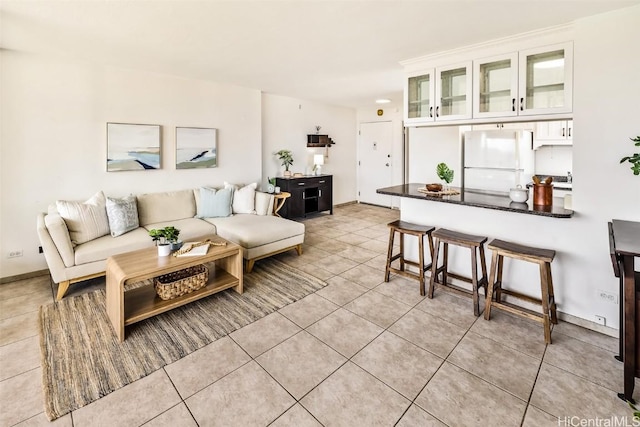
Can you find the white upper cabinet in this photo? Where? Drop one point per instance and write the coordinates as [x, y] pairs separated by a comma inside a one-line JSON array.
[[546, 80], [439, 94], [557, 132], [495, 86]]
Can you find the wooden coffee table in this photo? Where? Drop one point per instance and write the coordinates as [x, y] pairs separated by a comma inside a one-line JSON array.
[[126, 308]]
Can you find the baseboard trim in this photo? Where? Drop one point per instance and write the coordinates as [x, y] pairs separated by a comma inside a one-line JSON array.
[[353, 202], [24, 276]]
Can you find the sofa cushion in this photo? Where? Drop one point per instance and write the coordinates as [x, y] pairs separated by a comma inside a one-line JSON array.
[[104, 247], [122, 214], [85, 220], [244, 198], [214, 203], [190, 228], [163, 207], [250, 231]]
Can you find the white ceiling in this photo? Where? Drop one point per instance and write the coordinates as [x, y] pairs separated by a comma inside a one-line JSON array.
[[337, 52]]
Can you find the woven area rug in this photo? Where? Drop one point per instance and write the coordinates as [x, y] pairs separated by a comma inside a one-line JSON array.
[[82, 359]]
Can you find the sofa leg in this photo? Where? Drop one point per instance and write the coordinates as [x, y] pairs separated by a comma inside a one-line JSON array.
[[299, 249], [62, 289], [249, 265]]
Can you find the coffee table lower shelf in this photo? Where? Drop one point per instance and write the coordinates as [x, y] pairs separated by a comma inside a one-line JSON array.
[[143, 303]]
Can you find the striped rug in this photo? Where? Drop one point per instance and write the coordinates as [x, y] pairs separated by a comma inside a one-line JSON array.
[[82, 359]]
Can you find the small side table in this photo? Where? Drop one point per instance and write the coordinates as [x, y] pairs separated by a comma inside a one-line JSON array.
[[278, 201]]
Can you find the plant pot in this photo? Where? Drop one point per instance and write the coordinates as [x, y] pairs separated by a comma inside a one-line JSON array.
[[164, 249], [286, 174], [175, 245]]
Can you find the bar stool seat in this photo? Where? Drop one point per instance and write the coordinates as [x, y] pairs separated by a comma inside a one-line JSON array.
[[420, 231], [542, 257], [473, 242]]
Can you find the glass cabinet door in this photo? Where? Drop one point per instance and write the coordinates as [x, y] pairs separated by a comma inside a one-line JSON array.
[[453, 92], [419, 96], [546, 80], [495, 84]]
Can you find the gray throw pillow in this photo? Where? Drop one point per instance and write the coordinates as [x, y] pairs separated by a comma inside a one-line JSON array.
[[123, 215], [214, 203]]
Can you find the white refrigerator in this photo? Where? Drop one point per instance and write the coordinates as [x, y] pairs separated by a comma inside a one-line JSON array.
[[497, 160]]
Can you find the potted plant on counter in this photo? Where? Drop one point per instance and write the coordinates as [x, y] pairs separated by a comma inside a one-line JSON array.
[[445, 174], [634, 159], [164, 238], [171, 234], [286, 157]]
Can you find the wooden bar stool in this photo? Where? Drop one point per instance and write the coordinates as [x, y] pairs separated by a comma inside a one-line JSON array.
[[476, 244], [420, 231], [543, 258]]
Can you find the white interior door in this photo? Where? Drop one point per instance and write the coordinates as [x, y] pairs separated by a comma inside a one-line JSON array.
[[375, 163]]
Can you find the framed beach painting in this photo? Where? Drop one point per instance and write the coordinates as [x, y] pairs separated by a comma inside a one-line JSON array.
[[132, 147], [196, 148]]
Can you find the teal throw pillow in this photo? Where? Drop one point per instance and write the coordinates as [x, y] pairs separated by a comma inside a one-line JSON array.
[[214, 203]]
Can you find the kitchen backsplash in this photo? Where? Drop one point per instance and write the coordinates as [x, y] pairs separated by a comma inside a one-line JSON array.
[[554, 160]]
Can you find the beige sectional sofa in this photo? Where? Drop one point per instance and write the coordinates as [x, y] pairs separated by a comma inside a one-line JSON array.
[[260, 234]]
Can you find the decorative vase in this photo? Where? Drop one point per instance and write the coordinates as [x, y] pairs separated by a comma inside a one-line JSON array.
[[287, 174], [175, 245], [164, 249]]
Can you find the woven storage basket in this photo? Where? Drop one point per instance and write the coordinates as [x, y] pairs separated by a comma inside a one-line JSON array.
[[178, 283]]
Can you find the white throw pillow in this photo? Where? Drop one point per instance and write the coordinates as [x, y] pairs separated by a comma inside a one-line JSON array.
[[244, 198], [122, 214], [85, 220]]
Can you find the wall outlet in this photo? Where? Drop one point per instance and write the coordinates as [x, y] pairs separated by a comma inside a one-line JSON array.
[[601, 320], [40, 250], [15, 254], [607, 296]]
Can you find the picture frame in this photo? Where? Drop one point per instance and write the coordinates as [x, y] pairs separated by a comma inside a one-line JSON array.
[[133, 147], [196, 148]]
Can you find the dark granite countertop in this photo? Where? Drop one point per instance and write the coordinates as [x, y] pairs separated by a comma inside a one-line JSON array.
[[480, 200]]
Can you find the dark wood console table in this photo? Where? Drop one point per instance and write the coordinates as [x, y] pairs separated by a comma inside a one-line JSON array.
[[625, 242], [309, 194]]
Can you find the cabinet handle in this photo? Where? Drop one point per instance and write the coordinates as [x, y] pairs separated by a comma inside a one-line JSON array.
[[521, 104], [562, 131], [321, 182], [301, 183], [303, 195], [438, 111], [319, 193], [569, 134], [513, 104], [430, 111]]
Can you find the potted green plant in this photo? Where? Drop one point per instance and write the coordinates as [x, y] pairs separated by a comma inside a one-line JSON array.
[[634, 159], [166, 239], [171, 234], [445, 174], [272, 185], [286, 157]]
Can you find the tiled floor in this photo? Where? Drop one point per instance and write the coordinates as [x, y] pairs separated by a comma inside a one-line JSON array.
[[359, 352]]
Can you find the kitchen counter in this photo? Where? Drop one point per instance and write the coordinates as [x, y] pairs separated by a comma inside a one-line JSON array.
[[481, 200]]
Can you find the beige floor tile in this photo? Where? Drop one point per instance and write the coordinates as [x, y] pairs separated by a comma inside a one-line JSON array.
[[585, 360], [537, 418], [449, 397], [364, 275], [41, 420], [353, 238], [22, 304], [33, 285], [560, 393], [454, 309], [314, 238], [341, 291], [592, 337], [430, 333], [401, 365], [18, 357], [415, 416], [335, 264], [502, 366], [401, 289], [296, 416], [205, 366], [352, 397], [246, 397], [345, 332], [178, 416], [265, 333], [21, 397], [379, 262], [302, 353], [332, 246], [378, 308], [357, 254], [134, 404], [315, 271], [308, 310], [379, 246], [332, 233], [18, 328], [520, 334]]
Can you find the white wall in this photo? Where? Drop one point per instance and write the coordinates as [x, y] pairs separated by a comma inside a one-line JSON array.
[[53, 138], [286, 122]]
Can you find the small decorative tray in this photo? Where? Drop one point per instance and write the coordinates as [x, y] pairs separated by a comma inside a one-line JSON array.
[[450, 192], [178, 283]]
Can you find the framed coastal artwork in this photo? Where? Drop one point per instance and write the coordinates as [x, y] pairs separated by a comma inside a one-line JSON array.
[[196, 148], [132, 147]]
